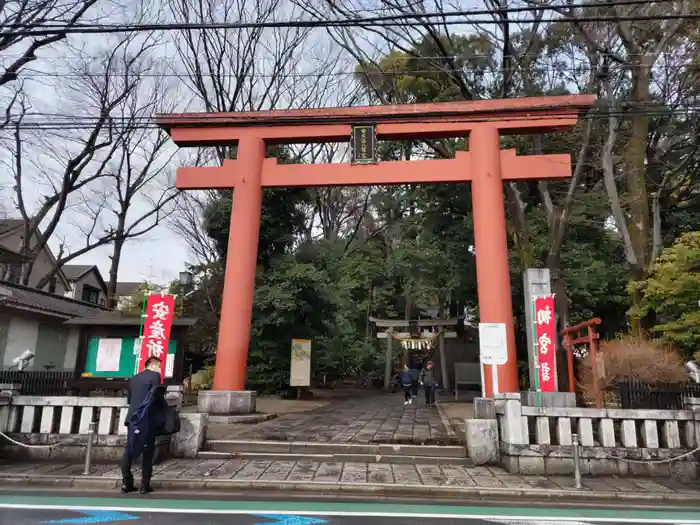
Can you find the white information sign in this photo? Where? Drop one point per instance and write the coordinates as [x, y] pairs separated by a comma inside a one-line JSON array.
[[108, 355], [137, 353], [493, 350], [493, 346], [300, 373], [169, 365]]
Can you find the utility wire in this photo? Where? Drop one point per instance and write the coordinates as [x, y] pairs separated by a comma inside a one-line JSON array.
[[411, 58], [650, 106], [402, 20], [414, 15], [31, 73], [576, 65], [77, 123], [104, 29]]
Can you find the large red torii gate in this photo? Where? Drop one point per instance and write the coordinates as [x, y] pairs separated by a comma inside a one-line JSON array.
[[485, 165]]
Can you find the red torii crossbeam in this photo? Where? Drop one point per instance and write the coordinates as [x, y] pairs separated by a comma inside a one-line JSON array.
[[458, 169], [486, 166]]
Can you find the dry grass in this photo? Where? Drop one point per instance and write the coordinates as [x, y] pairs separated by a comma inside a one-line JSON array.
[[630, 358]]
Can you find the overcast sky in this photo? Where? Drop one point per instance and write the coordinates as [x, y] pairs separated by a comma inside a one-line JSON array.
[[161, 254], [157, 256]]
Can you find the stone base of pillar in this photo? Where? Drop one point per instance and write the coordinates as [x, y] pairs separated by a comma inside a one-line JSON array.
[[548, 399], [190, 440], [226, 402], [481, 436]]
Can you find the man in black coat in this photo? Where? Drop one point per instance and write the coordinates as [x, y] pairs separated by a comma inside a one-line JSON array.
[[146, 398]]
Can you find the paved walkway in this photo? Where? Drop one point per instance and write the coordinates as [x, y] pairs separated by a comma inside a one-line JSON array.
[[355, 477], [376, 419]]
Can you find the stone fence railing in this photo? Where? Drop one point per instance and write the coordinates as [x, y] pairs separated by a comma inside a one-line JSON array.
[[58, 426], [538, 440], [66, 415], [70, 415]]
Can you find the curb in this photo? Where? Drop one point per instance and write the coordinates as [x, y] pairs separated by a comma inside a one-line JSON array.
[[451, 434], [245, 419], [356, 489]]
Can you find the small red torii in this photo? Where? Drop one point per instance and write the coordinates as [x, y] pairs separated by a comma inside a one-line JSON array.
[[485, 165]]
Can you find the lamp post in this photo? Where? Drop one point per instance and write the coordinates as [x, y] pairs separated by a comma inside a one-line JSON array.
[[186, 280]]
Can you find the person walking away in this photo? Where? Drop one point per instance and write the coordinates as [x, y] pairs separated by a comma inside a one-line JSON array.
[[406, 378], [146, 413], [429, 381], [415, 374]]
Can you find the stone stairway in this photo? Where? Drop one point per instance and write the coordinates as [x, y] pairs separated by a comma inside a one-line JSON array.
[[397, 454], [374, 429]]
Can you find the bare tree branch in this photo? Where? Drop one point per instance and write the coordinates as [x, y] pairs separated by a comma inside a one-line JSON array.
[[137, 192], [29, 14], [78, 158]]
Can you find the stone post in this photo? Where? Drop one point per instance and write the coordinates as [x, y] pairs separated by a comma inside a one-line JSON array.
[[693, 404], [7, 390], [4, 412], [443, 359], [481, 433], [536, 283], [481, 436], [484, 408], [513, 428], [174, 395], [190, 440], [388, 359]]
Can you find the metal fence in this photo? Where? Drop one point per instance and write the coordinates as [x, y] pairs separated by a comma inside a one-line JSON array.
[[656, 396], [40, 382]]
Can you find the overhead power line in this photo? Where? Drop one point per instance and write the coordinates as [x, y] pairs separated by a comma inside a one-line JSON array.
[[411, 57], [31, 73], [85, 123], [399, 20], [414, 15]]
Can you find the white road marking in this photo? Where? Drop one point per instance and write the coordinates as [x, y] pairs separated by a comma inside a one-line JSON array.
[[566, 521], [536, 521], [529, 520]]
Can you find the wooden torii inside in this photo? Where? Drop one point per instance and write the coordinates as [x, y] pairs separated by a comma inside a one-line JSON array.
[[485, 165], [392, 331]]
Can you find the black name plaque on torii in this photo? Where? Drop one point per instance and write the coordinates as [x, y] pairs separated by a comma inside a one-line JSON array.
[[364, 144]]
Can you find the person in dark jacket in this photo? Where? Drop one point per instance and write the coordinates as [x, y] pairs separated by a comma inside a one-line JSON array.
[[407, 378], [147, 405], [428, 379], [415, 374]]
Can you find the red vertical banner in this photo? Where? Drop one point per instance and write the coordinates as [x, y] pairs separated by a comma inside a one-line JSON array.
[[546, 341], [160, 310]]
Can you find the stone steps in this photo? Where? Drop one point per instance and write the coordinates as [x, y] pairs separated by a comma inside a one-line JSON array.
[[335, 452]]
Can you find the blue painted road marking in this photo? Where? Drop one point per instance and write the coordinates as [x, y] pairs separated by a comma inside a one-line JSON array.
[[95, 516], [287, 519]]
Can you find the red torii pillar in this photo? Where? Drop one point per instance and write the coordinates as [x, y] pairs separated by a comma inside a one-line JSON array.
[[485, 165]]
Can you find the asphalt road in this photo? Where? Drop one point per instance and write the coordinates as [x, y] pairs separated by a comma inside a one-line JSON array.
[[36, 517], [33, 509]]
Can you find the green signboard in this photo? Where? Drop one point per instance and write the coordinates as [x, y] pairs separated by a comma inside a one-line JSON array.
[[117, 357]]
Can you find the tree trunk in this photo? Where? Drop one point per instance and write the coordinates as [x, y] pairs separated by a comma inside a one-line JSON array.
[[561, 295], [640, 216], [27, 272], [114, 265], [636, 154]]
